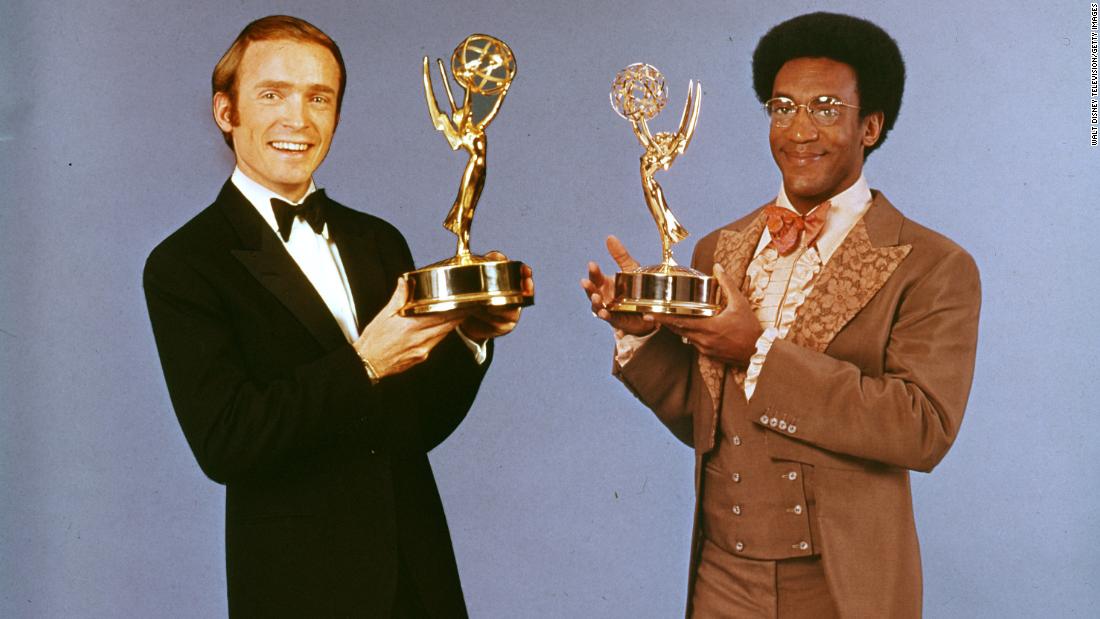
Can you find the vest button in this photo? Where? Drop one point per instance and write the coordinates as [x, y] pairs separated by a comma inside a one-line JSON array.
[[737, 510], [797, 509], [736, 440], [737, 478], [791, 476], [739, 546], [800, 546]]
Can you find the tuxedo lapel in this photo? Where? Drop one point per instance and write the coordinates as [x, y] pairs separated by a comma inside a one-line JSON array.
[[267, 260], [862, 264], [733, 251], [359, 254]]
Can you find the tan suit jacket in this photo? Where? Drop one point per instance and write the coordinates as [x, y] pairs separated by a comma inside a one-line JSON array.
[[870, 382]]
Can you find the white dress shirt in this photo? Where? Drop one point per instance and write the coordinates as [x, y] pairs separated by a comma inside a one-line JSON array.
[[316, 254]]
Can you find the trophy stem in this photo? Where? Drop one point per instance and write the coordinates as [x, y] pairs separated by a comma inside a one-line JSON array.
[[462, 250], [666, 258]]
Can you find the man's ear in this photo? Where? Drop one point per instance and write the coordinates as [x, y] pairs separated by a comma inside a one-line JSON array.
[[872, 128], [223, 112]]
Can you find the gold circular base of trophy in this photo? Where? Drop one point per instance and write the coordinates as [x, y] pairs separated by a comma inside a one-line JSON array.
[[665, 290], [447, 286]]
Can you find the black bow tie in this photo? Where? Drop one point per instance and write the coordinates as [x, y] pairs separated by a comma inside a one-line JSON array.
[[312, 211]]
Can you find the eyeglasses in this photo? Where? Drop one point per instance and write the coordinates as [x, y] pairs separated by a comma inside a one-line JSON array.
[[823, 110]]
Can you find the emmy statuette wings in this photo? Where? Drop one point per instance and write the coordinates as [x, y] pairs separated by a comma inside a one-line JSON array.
[[638, 94], [484, 66]]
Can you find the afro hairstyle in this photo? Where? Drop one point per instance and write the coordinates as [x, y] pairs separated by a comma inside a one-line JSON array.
[[858, 43]]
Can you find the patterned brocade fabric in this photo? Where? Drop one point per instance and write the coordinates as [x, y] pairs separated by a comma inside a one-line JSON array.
[[854, 274], [733, 251]]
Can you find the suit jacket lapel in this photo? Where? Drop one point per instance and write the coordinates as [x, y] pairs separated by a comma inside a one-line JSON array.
[[267, 260], [862, 264], [362, 265], [735, 248], [733, 251], [859, 268]]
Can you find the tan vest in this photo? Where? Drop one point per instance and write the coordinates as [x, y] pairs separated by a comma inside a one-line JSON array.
[[754, 506]]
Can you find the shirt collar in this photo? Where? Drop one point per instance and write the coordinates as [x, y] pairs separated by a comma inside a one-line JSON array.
[[260, 197], [847, 208]]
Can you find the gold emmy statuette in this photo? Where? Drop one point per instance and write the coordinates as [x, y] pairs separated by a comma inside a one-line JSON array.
[[483, 66], [638, 94]]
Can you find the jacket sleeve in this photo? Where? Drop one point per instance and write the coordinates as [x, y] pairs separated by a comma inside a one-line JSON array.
[[663, 373], [910, 414], [660, 375], [235, 424], [443, 388]]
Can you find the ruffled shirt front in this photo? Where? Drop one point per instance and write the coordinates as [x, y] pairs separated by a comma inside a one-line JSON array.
[[779, 285]]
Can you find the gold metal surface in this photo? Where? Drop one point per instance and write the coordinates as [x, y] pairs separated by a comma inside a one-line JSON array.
[[638, 94], [442, 287], [666, 289], [483, 66]]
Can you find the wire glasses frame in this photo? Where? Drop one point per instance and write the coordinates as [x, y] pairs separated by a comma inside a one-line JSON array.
[[823, 110]]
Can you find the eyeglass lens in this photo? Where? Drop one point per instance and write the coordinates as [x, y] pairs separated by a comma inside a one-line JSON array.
[[824, 111]]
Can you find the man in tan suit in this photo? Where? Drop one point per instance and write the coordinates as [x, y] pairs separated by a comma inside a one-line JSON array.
[[842, 360]]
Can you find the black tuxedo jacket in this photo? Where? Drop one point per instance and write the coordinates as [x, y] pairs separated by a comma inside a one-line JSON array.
[[329, 493]]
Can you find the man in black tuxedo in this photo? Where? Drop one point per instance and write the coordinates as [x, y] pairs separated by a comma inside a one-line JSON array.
[[296, 382]]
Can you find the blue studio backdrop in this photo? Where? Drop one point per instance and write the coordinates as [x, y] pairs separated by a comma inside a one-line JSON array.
[[565, 497]]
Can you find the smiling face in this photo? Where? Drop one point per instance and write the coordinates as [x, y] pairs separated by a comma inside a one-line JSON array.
[[817, 163], [284, 115]]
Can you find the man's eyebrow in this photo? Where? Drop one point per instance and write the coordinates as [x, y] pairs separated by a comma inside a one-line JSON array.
[[273, 84], [289, 86], [818, 95]]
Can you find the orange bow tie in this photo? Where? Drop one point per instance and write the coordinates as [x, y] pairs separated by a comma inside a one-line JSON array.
[[786, 226]]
